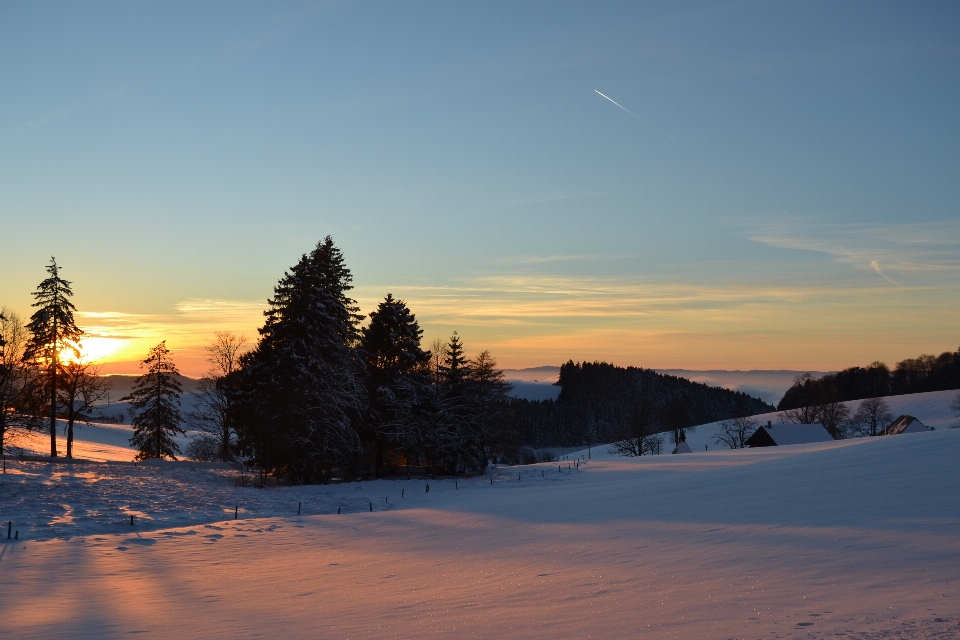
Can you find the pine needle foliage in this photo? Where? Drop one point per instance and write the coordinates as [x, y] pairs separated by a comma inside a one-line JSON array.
[[156, 403], [54, 336], [302, 396], [396, 380]]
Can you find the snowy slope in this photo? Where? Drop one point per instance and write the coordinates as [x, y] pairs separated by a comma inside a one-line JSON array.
[[829, 540], [932, 409]]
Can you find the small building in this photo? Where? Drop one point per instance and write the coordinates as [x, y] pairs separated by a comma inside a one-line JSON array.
[[683, 447], [905, 424], [774, 435]]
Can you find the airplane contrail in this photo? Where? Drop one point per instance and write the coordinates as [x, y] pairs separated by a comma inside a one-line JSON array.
[[636, 116], [618, 104]]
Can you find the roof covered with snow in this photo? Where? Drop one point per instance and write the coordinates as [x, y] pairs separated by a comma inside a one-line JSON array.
[[786, 434], [905, 424]]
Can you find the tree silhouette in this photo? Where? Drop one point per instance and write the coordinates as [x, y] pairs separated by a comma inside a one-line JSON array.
[[54, 336]]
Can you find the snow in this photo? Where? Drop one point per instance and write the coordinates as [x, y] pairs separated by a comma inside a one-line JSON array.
[[856, 538], [844, 537], [790, 434], [931, 408]]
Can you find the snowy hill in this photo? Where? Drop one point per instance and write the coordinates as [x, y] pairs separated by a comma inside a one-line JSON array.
[[840, 539]]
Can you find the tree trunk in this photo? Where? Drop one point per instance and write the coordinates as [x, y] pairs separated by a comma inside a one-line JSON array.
[[70, 438], [53, 406]]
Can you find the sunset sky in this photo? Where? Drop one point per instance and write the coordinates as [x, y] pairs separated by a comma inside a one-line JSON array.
[[780, 189]]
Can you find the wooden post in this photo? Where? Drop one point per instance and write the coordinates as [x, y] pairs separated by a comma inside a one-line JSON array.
[[298, 507], [131, 520], [371, 506], [235, 510], [9, 527]]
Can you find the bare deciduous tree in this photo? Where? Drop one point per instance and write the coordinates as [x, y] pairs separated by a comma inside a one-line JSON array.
[[13, 374], [82, 386], [213, 410], [833, 416], [801, 415], [635, 437], [735, 432], [871, 417], [955, 405]]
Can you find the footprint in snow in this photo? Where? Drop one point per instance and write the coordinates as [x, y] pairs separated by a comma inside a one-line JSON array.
[[144, 542]]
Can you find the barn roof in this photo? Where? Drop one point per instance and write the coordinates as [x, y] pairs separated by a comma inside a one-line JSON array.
[[785, 434], [905, 424]]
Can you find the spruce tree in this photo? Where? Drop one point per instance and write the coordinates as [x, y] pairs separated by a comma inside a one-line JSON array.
[[156, 402], [456, 409], [396, 383], [303, 396], [54, 337], [488, 396]]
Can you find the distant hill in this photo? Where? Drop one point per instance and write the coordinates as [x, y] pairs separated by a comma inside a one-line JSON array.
[[537, 383], [121, 386], [599, 400]]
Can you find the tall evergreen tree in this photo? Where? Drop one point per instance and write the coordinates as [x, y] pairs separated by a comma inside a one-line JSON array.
[[456, 409], [488, 396], [54, 337], [156, 403], [302, 388], [396, 383]]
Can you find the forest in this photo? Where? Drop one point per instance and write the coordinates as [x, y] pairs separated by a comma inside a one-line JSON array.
[[326, 394], [913, 375]]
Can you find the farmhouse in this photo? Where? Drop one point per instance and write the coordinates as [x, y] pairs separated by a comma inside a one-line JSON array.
[[773, 435], [905, 424]]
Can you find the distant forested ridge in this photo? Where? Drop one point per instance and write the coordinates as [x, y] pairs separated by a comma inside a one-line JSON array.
[[599, 402], [913, 375]]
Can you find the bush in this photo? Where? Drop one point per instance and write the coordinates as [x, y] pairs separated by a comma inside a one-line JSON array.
[[527, 455], [203, 448], [547, 456]]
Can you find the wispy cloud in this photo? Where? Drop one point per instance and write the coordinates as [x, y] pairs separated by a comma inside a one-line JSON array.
[[909, 248], [559, 258], [876, 267]]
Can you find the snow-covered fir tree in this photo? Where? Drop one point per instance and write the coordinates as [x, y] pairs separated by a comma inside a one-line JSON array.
[[493, 427], [396, 380], [457, 411], [156, 406], [302, 391]]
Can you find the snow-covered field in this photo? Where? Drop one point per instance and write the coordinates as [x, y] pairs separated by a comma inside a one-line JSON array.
[[857, 538]]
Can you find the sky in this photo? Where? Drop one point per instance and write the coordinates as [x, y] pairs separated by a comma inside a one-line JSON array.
[[778, 189]]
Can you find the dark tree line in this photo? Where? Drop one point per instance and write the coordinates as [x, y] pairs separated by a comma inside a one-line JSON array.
[[320, 397], [914, 375], [601, 403]]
